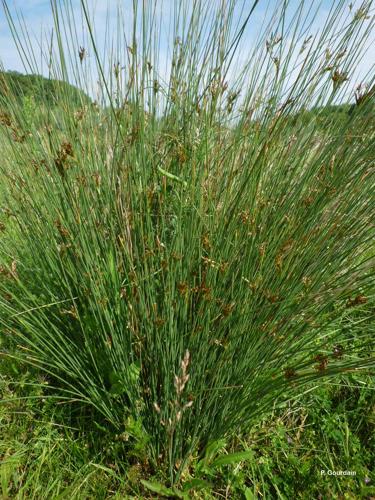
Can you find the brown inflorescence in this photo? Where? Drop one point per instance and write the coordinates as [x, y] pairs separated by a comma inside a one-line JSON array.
[[290, 373], [61, 161], [358, 300], [322, 361]]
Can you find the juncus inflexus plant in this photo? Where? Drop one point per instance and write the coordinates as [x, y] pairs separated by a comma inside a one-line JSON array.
[[185, 248]]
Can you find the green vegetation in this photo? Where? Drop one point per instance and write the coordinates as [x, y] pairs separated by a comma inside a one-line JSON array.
[[38, 89], [187, 265], [328, 429], [327, 117]]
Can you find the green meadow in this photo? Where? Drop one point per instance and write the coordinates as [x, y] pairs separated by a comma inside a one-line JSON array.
[[187, 263]]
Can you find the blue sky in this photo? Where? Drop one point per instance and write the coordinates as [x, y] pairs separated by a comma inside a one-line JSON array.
[[38, 18]]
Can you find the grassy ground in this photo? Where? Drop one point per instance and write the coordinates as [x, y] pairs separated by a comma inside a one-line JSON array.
[[329, 429]]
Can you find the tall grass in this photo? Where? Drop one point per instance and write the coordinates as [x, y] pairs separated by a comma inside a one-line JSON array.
[[187, 249]]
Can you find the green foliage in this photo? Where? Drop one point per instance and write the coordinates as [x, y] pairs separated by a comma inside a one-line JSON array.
[[33, 90], [327, 429], [177, 262], [160, 489], [332, 116]]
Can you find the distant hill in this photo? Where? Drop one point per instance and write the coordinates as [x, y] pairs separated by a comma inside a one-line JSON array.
[[326, 113], [333, 114], [41, 89]]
